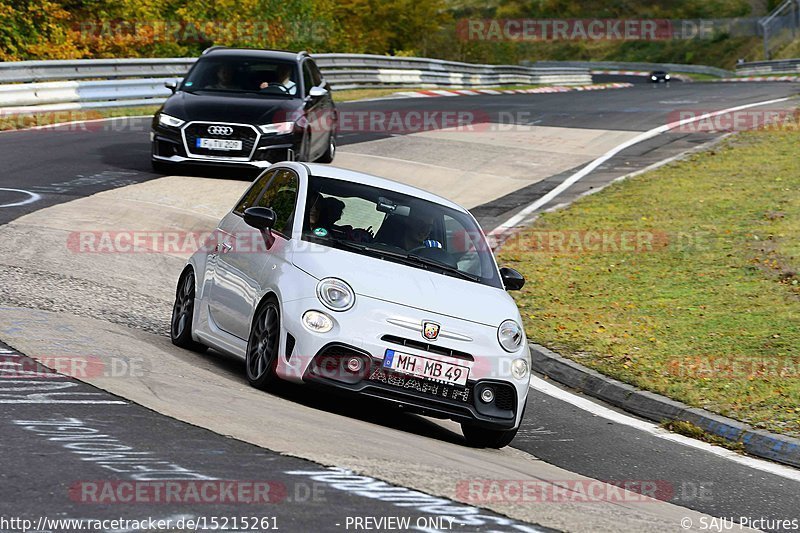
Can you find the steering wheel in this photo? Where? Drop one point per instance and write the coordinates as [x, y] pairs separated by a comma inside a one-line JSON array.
[[279, 86]]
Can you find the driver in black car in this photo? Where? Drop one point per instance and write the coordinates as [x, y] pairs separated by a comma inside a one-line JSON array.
[[284, 76]]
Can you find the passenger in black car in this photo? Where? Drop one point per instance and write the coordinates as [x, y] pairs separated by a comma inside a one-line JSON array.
[[225, 78]]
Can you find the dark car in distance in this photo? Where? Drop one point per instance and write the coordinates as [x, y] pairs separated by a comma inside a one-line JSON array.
[[659, 76], [251, 108]]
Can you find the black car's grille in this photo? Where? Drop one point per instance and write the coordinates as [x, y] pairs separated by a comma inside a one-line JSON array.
[[424, 346], [421, 386], [200, 130]]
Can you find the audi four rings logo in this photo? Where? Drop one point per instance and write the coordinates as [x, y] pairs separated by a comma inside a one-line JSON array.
[[220, 130]]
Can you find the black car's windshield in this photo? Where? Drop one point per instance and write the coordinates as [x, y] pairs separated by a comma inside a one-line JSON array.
[[397, 227], [243, 75]]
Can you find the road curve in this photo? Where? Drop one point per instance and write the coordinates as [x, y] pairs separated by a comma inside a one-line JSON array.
[[56, 301]]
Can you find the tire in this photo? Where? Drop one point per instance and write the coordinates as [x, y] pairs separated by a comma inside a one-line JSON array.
[[180, 328], [479, 437], [263, 345], [330, 153]]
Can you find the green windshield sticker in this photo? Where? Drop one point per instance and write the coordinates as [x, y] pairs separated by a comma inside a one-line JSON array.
[[320, 232]]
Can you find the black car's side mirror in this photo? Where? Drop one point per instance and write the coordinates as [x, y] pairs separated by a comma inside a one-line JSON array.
[[171, 85], [512, 280], [262, 218], [317, 92]]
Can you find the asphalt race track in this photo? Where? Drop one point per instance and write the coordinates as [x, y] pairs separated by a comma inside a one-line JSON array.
[[195, 414]]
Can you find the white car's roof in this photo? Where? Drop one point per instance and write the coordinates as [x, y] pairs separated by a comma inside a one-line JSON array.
[[327, 171]]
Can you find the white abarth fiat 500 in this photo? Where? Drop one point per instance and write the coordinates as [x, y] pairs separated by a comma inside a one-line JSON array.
[[327, 276]]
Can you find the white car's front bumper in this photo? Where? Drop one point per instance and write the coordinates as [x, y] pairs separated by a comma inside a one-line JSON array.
[[373, 326]]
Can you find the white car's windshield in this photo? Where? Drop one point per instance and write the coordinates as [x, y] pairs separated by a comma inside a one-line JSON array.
[[260, 76], [397, 227]]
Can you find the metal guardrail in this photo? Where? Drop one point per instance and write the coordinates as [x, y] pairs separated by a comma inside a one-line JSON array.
[[760, 68], [85, 69], [30, 86], [616, 65]]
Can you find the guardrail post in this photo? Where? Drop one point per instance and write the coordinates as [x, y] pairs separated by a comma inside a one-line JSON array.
[[796, 9]]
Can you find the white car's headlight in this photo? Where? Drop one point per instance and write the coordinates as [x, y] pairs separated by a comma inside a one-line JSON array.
[[167, 120], [317, 322], [519, 368], [509, 334], [335, 294], [278, 127]]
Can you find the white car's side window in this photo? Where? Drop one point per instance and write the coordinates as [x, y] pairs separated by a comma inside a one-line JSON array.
[[281, 196], [251, 196]]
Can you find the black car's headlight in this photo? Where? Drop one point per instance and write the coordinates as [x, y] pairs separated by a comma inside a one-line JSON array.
[[170, 121], [277, 127]]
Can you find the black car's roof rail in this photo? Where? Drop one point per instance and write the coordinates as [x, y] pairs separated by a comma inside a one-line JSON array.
[[211, 48]]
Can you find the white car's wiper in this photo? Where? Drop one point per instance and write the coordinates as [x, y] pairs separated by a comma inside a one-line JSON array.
[[443, 266], [368, 249], [414, 260]]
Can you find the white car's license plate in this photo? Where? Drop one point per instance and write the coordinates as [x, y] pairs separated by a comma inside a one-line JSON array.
[[426, 368], [219, 144]]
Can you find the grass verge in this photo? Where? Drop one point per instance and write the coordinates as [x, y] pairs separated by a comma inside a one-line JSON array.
[[683, 281], [49, 118]]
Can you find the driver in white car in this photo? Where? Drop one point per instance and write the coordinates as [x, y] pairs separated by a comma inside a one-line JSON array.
[[418, 229]]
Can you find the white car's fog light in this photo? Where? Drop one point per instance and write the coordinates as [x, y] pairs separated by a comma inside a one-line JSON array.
[[355, 364], [509, 335], [335, 294], [487, 395], [318, 322], [519, 368]]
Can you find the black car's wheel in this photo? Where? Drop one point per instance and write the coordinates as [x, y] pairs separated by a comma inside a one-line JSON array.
[[478, 437], [262, 346], [182, 313], [330, 153]]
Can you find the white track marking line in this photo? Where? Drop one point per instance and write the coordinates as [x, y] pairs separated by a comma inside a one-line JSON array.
[[32, 197], [81, 402], [549, 389], [567, 183]]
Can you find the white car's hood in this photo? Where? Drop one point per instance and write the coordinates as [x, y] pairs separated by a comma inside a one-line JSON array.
[[406, 285]]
